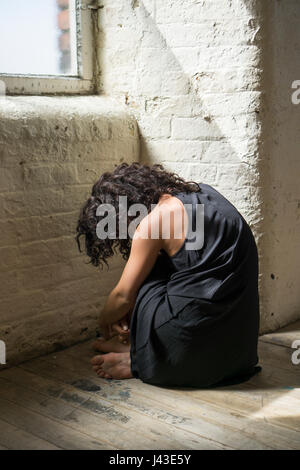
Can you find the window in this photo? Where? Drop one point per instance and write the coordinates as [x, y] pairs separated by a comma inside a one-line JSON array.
[[46, 46]]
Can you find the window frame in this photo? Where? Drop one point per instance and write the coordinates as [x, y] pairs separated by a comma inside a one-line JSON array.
[[84, 83]]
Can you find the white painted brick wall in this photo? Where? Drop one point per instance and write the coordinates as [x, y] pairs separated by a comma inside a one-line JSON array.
[[190, 71], [281, 167], [51, 151]]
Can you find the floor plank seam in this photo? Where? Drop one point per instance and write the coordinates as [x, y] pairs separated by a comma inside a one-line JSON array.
[[51, 419]]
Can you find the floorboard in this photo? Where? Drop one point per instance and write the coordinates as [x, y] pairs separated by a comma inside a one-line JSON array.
[[57, 402], [13, 438]]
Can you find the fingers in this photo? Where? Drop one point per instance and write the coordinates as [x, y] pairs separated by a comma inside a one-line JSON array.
[[121, 330], [123, 339], [124, 324]]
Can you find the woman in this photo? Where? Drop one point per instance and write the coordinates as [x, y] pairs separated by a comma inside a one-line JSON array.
[[191, 303]]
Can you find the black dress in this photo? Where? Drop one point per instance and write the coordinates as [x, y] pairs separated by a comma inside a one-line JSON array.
[[196, 317]]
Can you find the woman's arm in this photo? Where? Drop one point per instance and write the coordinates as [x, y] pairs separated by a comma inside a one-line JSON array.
[[143, 254]]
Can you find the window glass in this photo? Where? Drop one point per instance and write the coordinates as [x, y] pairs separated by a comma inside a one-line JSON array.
[[38, 37]]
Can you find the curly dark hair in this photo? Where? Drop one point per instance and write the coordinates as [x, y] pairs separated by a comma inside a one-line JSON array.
[[142, 184]]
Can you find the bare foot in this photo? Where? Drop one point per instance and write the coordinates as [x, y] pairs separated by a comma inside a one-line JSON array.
[[113, 366], [111, 345]]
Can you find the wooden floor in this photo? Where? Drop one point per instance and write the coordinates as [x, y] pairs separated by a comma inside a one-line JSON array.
[[56, 402]]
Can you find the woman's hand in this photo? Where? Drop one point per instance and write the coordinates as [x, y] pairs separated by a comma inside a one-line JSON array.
[[120, 329]]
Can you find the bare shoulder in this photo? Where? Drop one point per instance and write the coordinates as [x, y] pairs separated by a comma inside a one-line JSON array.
[[168, 217], [170, 205]]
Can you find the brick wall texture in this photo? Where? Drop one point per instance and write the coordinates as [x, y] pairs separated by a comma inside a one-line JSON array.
[[51, 152]]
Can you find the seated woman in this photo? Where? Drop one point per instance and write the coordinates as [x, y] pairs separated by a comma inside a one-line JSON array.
[[185, 311]]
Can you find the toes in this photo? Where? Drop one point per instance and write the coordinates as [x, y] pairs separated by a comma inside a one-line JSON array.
[[97, 344], [104, 375], [97, 361]]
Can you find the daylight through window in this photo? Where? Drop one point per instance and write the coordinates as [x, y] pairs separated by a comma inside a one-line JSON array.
[[38, 38]]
